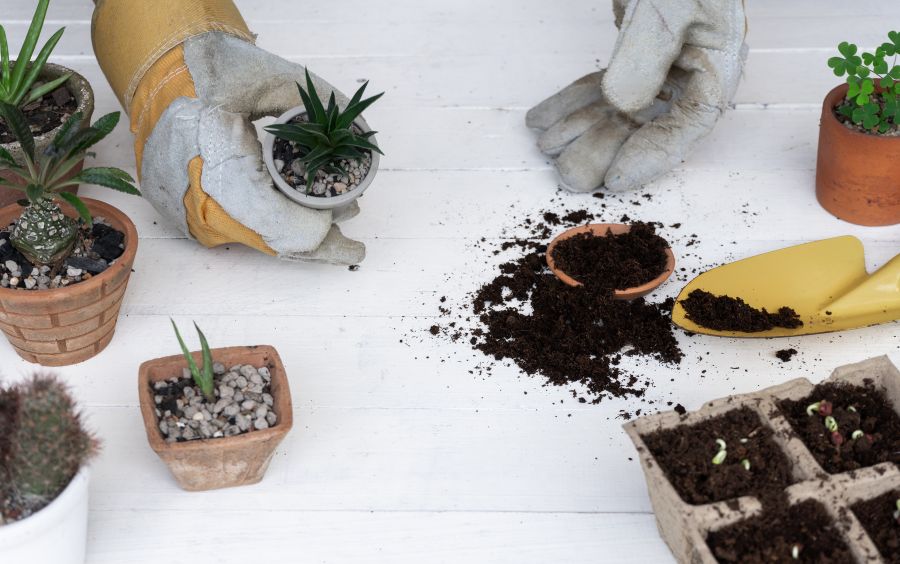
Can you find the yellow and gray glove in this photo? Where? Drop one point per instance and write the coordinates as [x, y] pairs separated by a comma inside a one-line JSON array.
[[675, 67], [192, 81]]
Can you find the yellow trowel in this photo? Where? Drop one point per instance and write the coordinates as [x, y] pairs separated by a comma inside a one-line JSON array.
[[825, 282]]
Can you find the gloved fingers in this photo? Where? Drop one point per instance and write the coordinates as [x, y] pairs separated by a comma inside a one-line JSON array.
[[335, 249], [554, 139], [583, 164], [650, 40], [242, 78], [663, 143], [583, 92]]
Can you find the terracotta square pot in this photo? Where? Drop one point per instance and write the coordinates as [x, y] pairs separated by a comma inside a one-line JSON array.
[[207, 464], [685, 527]]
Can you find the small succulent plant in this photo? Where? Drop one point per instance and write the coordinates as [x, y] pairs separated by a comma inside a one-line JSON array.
[[873, 96], [203, 377], [43, 445], [17, 80], [327, 136], [43, 233]]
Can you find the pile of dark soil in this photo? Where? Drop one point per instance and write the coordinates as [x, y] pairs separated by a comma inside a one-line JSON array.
[[877, 518], [614, 261], [785, 355], [685, 454], [778, 533], [853, 408], [724, 313], [45, 114], [566, 334]]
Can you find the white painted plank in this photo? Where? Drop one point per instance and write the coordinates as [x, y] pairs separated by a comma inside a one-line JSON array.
[[127, 537]]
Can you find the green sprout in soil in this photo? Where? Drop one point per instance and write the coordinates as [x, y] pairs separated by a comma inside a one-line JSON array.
[[831, 424], [746, 464], [857, 434], [897, 512], [17, 77], [851, 408], [328, 135], [43, 233], [203, 378], [719, 458], [823, 408], [873, 96], [795, 551]]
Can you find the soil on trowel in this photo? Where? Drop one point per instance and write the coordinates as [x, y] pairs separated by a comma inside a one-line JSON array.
[[614, 261], [753, 463], [44, 115], [879, 517], [853, 408], [801, 533], [725, 313]]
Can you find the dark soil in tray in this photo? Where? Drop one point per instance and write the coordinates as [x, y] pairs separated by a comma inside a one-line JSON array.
[[45, 114], [614, 261], [774, 536], [724, 313], [853, 408], [686, 455], [877, 518], [568, 334]]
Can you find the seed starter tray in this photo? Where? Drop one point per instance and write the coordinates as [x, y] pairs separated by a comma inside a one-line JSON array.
[[684, 527]]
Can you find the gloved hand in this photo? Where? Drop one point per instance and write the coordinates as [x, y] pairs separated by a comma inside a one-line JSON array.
[[191, 80], [674, 69]]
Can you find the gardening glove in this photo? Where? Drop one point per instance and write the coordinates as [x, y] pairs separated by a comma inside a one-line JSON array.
[[674, 69], [191, 80]]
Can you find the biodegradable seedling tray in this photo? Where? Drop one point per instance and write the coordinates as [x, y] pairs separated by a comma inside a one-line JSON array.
[[685, 527]]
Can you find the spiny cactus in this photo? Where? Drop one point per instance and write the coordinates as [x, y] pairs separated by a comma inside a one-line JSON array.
[[42, 444]]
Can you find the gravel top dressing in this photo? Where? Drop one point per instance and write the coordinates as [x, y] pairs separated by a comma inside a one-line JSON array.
[[691, 459], [724, 313], [851, 409], [614, 261], [879, 518]]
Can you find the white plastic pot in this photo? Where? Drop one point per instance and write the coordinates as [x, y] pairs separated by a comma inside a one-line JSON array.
[[57, 534], [317, 202]]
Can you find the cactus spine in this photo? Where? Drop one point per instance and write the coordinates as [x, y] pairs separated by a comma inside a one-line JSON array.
[[43, 444]]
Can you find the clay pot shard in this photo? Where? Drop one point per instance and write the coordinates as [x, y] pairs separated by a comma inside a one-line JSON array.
[[224, 462]]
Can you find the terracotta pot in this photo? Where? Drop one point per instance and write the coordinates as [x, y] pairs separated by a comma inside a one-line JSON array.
[[80, 88], [68, 325], [600, 230], [208, 464], [857, 174]]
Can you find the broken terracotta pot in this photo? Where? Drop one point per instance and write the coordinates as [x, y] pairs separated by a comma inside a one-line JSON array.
[[224, 462]]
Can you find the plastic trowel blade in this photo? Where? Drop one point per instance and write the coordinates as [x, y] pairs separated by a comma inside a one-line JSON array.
[[825, 282]]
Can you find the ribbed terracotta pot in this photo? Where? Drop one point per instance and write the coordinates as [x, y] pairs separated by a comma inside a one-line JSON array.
[[81, 90], [224, 462], [857, 174], [67, 325]]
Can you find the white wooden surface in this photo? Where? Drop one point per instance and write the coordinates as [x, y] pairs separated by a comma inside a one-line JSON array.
[[399, 454]]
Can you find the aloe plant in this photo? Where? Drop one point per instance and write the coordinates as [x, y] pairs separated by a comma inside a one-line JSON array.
[[17, 80], [328, 135], [43, 233], [203, 377]]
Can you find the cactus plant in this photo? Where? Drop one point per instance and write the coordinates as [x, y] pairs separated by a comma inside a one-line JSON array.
[[43, 445]]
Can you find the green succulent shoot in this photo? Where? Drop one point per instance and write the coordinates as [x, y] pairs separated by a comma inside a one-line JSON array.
[[43, 233], [328, 135], [203, 377], [873, 93], [17, 80]]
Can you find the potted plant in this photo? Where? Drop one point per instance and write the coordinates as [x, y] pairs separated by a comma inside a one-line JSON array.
[[46, 93], [858, 167], [322, 157], [44, 449], [62, 274], [217, 424]]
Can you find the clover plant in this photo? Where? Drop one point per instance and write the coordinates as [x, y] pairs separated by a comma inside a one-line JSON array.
[[17, 79], [873, 96]]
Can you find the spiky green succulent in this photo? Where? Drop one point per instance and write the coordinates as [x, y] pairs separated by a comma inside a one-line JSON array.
[[44, 444], [44, 234], [17, 80], [203, 377], [327, 137]]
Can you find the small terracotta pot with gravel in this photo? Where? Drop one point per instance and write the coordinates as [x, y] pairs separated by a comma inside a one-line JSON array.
[[225, 440]]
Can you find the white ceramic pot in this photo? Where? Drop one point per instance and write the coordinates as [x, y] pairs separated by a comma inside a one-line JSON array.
[[57, 534], [316, 202]]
